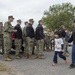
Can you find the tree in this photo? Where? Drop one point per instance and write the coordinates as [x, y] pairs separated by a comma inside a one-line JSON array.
[[58, 15]]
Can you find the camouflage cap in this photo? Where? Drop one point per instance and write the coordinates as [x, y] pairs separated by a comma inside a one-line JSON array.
[[19, 20], [1, 22], [31, 20], [11, 17]]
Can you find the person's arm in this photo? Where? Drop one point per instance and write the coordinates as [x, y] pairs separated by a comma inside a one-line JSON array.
[[23, 34], [7, 28], [62, 46], [71, 39], [28, 30], [41, 32]]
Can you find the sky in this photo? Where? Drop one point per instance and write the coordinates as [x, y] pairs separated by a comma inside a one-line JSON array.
[[26, 9]]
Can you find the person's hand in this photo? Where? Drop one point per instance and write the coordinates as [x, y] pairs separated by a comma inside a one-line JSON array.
[[14, 30]]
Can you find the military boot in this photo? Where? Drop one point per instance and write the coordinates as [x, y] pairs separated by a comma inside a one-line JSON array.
[[7, 59]]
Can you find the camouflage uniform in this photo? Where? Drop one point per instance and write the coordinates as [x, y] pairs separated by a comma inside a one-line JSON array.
[[30, 38], [25, 39], [7, 38], [30, 42], [18, 44], [39, 36], [39, 47], [18, 38], [1, 34], [47, 41]]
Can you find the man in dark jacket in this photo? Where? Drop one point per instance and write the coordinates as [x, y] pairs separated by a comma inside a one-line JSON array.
[[39, 35], [30, 39], [18, 38], [63, 34], [72, 39], [62, 31]]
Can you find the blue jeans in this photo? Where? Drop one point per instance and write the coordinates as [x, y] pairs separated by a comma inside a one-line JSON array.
[[67, 49], [60, 55], [73, 54]]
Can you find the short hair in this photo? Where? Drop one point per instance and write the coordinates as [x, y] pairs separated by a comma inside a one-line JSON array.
[[19, 20], [25, 22], [10, 17], [57, 33]]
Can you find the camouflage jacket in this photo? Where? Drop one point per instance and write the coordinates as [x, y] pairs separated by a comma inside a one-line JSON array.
[[7, 30], [1, 32], [24, 33]]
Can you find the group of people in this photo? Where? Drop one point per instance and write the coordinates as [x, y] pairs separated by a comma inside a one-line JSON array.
[[61, 38], [28, 35]]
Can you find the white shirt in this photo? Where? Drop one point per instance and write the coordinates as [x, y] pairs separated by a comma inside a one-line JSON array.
[[58, 43]]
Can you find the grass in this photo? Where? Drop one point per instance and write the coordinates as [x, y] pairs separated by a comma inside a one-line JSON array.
[[4, 68]]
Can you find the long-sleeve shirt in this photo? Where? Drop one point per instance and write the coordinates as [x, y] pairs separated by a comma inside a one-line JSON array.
[[18, 34], [72, 38], [39, 32], [30, 31]]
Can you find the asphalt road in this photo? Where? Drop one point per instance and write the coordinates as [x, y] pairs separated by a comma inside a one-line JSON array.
[[40, 67]]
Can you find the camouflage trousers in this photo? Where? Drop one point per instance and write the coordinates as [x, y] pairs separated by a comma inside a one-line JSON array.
[[7, 46], [47, 45], [30, 43], [39, 47], [1, 41], [25, 48], [18, 44]]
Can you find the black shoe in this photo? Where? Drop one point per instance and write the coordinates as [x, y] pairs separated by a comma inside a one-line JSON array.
[[72, 66]]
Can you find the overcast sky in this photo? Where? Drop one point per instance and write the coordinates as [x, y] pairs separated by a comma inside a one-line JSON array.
[[26, 9]]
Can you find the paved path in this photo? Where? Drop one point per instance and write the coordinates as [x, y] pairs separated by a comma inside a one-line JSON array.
[[40, 67]]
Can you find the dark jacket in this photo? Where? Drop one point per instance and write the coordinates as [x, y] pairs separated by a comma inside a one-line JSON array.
[[30, 31], [39, 32], [18, 34], [72, 38], [67, 37], [62, 32]]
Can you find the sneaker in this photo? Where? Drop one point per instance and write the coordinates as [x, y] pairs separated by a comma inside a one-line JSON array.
[[72, 66]]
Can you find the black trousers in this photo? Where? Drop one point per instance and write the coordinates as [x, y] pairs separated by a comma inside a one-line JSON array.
[[60, 55]]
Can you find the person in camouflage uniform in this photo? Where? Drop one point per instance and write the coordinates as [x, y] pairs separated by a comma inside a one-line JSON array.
[[39, 36], [30, 38], [7, 32], [24, 35], [52, 40], [18, 39], [47, 41], [1, 34]]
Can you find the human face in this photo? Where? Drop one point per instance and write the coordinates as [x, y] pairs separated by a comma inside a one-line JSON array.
[[41, 23], [11, 19], [26, 24], [56, 36], [32, 22], [19, 23]]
